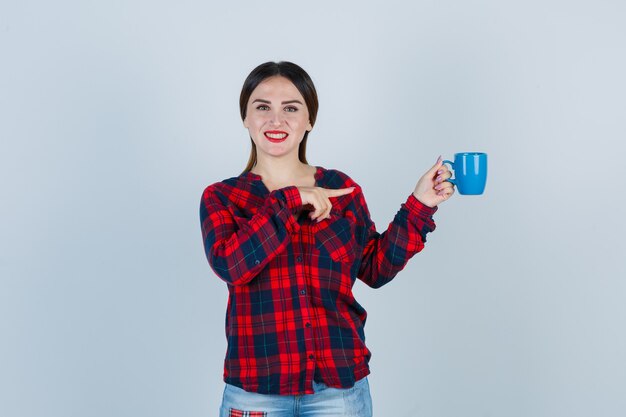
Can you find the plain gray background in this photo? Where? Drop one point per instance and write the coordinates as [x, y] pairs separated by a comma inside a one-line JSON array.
[[115, 115]]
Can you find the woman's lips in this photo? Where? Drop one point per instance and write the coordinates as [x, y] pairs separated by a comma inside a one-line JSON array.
[[276, 135]]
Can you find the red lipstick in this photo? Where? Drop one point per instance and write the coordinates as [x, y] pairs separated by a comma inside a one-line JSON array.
[[276, 136]]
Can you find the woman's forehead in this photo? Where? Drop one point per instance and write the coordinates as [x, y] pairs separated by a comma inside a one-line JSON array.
[[278, 86]]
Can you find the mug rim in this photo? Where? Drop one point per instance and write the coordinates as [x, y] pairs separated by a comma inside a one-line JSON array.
[[470, 153]]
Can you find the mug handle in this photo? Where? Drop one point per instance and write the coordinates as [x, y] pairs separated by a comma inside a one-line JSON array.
[[452, 180]]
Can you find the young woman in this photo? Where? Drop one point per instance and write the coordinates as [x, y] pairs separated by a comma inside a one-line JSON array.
[[290, 239]]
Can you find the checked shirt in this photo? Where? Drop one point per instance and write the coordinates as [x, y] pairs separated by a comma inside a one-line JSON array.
[[291, 314]]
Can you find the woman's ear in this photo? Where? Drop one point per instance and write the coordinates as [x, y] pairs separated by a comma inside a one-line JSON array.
[[309, 127], [245, 122]]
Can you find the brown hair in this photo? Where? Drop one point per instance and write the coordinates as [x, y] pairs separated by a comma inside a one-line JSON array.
[[300, 80]]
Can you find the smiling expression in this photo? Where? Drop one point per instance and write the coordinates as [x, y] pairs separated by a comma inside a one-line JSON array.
[[277, 117]]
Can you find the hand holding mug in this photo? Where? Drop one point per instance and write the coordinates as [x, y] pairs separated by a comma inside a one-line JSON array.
[[434, 188]]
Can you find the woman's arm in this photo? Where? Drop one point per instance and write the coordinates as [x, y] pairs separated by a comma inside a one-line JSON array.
[[385, 254], [238, 249]]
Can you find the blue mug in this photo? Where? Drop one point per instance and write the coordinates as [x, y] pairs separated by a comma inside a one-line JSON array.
[[470, 172]]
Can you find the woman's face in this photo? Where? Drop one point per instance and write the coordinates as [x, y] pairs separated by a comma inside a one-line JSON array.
[[277, 117]]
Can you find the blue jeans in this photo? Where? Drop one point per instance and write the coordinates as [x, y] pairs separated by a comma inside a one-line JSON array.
[[325, 401]]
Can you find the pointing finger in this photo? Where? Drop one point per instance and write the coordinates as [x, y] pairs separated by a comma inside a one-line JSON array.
[[339, 192]]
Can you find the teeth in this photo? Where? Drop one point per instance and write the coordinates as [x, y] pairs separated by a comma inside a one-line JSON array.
[[276, 135]]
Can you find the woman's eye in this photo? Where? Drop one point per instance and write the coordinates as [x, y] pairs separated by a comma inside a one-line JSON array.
[[262, 107], [291, 109]]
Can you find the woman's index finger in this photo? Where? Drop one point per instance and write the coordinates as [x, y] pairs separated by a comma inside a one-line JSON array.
[[339, 192]]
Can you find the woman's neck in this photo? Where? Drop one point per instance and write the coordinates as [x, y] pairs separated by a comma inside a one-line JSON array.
[[282, 171], [276, 178]]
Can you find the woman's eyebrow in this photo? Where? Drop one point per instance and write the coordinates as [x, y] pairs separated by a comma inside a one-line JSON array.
[[260, 100]]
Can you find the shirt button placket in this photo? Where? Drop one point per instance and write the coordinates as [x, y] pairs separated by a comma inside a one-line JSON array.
[[301, 282]]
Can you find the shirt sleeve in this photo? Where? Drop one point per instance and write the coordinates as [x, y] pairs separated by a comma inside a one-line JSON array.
[[387, 253], [239, 248]]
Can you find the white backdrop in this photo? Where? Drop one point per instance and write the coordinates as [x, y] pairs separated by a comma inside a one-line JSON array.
[[115, 115]]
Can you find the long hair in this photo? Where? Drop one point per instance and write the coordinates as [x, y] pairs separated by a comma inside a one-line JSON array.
[[300, 80]]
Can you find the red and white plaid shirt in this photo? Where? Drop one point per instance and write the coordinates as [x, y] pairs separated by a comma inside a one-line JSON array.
[[291, 313]]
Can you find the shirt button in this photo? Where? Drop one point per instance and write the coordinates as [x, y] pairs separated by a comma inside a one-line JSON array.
[[299, 258], [257, 262], [302, 292], [311, 357], [308, 325]]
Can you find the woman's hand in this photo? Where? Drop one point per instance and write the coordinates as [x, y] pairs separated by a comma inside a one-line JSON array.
[[318, 199], [433, 189]]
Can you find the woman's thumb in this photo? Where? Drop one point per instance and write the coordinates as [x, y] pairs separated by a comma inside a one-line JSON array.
[[437, 164]]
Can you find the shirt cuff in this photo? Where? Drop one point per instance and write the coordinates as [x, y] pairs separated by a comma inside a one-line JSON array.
[[292, 197], [421, 210]]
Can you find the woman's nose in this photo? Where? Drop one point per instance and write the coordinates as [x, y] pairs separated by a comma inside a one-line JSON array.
[[276, 119]]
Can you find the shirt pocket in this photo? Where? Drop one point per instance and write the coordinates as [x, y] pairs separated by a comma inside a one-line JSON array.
[[335, 237]]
